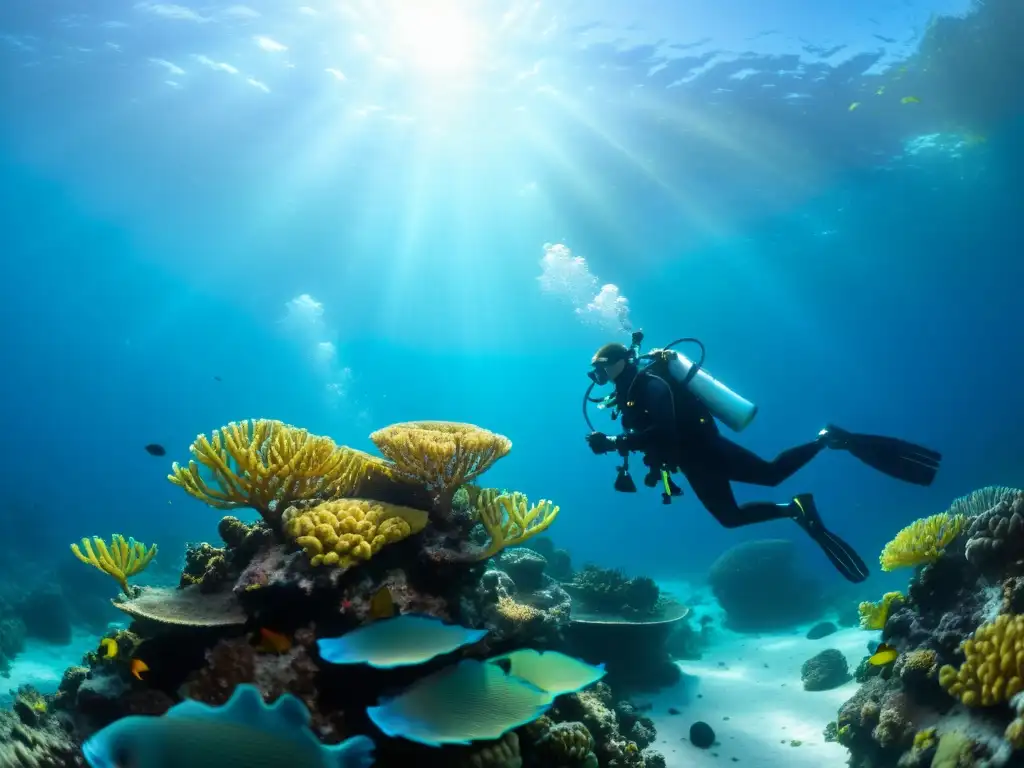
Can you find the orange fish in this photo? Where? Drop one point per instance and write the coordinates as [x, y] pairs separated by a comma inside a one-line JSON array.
[[138, 667], [273, 642]]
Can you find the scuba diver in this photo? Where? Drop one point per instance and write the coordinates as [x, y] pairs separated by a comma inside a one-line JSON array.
[[669, 406]]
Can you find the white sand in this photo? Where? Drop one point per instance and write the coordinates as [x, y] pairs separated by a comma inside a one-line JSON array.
[[42, 665], [748, 689]]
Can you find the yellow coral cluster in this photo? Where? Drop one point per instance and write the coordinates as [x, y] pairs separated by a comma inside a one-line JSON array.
[[440, 455], [347, 531], [510, 520], [254, 464], [922, 541], [874, 615], [121, 560], [516, 612], [992, 670]]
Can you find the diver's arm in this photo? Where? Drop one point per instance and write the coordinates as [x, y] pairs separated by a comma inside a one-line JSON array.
[[661, 415]]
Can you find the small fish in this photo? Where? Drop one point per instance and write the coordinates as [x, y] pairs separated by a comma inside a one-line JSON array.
[[854, 106], [155, 449], [884, 654], [244, 732], [880, 91], [138, 668], [910, 100], [382, 604], [273, 642], [217, 378], [109, 645]]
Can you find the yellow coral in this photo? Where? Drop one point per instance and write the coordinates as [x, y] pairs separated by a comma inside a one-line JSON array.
[[874, 615], [440, 455], [993, 668], [925, 739], [510, 520], [516, 612], [121, 560], [922, 541], [254, 464], [348, 531]]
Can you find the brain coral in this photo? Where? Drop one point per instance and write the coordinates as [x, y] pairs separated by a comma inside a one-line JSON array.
[[348, 531]]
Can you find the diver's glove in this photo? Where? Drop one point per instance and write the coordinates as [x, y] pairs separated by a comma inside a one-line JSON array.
[[600, 443]]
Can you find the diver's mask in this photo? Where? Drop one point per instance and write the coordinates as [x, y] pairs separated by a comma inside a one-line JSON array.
[[598, 374]]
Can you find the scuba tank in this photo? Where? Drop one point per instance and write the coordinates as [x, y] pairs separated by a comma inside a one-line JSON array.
[[733, 410]]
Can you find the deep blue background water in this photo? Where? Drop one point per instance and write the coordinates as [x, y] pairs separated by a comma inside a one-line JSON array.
[[837, 266]]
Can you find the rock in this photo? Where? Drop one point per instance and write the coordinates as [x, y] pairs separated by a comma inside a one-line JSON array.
[[702, 735], [825, 671], [821, 629], [525, 567], [760, 587]]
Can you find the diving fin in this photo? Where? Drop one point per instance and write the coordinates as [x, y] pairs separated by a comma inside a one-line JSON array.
[[894, 457], [842, 555]]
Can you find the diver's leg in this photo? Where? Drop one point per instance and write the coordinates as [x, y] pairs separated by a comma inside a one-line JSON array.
[[715, 494], [744, 466], [713, 490]]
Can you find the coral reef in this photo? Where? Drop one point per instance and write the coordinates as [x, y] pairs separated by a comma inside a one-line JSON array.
[[760, 587], [343, 539], [611, 592], [954, 695], [31, 736]]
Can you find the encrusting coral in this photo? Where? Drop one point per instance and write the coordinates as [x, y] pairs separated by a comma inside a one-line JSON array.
[[440, 455], [510, 520], [122, 560], [348, 531], [266, 465], [921, 542]]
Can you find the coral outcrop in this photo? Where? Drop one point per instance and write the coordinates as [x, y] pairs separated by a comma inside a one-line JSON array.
[[760, 587], [954, 695], [343, 539]]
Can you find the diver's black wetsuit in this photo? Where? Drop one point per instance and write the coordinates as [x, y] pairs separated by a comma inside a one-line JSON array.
[[675, 429]]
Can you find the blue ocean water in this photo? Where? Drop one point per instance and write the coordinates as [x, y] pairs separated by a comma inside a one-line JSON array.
[[336, 215]]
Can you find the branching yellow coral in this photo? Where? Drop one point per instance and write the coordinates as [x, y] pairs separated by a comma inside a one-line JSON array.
[[253, 464], [348, 531], [121, 560], [922, 541], [440, 455], [993, 668], [874, 615], [510, 520]]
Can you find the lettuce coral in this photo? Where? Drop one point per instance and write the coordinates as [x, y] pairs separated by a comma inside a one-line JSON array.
[[874, 615], [348, 531], [993, 667], [123, 559], [266, 465], [922, 541]]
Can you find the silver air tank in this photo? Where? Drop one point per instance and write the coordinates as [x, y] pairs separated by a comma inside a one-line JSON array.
[[734, 411]]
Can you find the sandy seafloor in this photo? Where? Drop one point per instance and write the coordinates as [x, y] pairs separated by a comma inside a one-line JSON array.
[[42, 665], [747, 688]]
